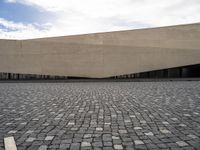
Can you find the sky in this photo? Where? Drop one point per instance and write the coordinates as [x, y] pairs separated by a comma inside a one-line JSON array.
[[27, 19]]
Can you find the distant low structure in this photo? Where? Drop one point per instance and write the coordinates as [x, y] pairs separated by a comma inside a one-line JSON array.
[[172, 51]]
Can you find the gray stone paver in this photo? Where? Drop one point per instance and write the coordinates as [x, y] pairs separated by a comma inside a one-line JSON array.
[[138, 142], [30, 139], [181, 143], [121, 115], [118, 147], [83, 144], [165, 131], [43, 147], [149, 134], [49, 138]]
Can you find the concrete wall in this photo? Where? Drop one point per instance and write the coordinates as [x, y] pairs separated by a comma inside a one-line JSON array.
[[103, 54]]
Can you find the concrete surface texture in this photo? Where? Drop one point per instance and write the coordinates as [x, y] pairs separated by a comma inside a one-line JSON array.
[[103, 54]]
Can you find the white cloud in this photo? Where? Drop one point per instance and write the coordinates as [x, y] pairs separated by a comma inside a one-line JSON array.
[[14, 26], [87, 16], [12, 30]]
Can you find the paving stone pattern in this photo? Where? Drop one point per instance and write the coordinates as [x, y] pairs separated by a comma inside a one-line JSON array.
[[112, 115]]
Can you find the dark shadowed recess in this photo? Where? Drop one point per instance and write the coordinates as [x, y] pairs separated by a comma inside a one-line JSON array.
[[191, 71]]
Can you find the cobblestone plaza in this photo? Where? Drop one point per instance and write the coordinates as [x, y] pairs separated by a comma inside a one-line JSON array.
[[101, 115]]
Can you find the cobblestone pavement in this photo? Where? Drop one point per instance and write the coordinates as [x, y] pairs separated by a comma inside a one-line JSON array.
[[131, 115]]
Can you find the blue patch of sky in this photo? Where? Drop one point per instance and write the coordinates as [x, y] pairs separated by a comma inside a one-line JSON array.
[[17, 12]]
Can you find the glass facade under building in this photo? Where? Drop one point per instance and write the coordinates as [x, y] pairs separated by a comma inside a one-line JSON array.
[[192, 71]]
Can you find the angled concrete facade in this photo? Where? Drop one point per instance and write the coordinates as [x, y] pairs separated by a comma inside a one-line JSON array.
[[103, 55]]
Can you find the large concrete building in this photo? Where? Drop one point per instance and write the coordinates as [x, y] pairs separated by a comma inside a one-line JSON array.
[[172, 51]]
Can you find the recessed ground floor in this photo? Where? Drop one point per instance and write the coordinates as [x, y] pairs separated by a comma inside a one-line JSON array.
[[190, 71]]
